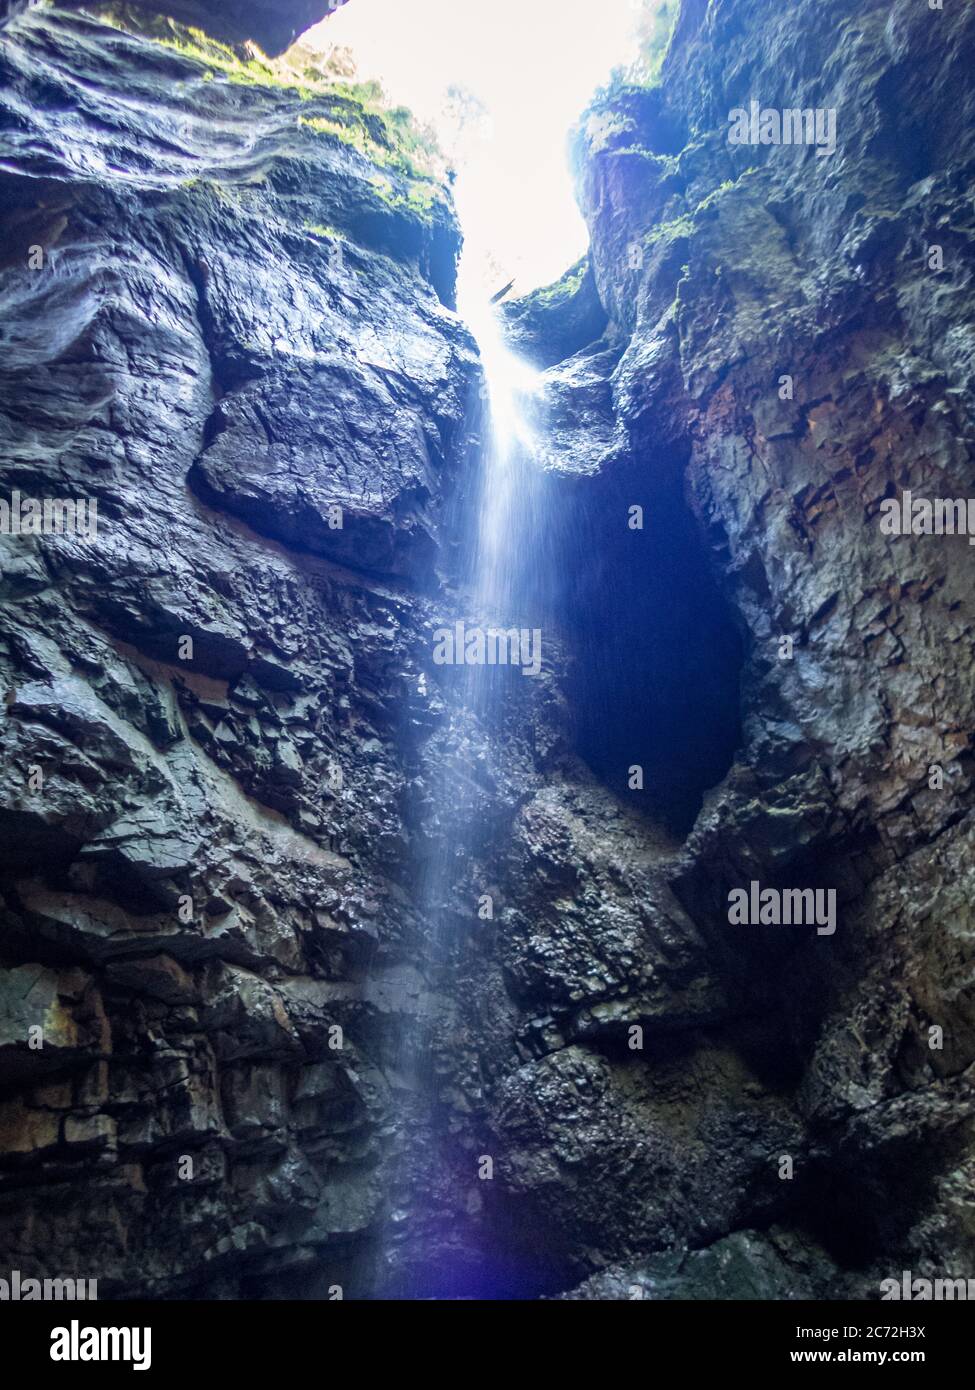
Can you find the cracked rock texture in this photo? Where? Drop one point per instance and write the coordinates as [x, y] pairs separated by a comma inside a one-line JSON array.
[[273, 26], [233, 777]]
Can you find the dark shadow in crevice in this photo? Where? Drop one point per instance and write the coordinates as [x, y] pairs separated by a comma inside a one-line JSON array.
[[654, 682], [861, 1206]]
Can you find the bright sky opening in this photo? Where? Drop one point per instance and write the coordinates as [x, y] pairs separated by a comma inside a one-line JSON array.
[[530, 66]]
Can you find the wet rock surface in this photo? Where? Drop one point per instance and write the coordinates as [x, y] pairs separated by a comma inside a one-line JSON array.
[[275, 27], [229, 761], [551, 324], [207, 737], [776, 315]]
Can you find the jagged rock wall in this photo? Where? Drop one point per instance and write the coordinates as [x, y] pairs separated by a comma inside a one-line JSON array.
[[230, 332], [726, 269], [274, 27], [233, 330]]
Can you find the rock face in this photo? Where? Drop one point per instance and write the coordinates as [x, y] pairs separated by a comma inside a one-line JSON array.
[[233, 775], [555, 323], [274, 27], [780, 325], [234, 337]]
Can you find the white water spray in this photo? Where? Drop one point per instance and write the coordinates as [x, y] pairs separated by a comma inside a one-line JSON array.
[[514, 201], [508, 498], [500, 535]]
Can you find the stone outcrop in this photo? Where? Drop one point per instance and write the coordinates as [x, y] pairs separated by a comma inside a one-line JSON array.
[[553, 324], [779, 322], [274, 27], [206, 734], [236, 1057]]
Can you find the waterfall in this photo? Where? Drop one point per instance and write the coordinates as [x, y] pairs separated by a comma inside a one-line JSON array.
[[503, 546], [509, 478]]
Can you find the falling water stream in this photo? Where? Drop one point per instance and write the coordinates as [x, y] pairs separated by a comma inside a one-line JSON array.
[[503, 545], [509, 476], [503, 88]]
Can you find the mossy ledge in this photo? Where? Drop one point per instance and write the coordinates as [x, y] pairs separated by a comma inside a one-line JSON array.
[[413, 176], [557, 320]]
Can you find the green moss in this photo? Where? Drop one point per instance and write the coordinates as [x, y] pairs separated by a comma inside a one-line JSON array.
[[670, 231], [215, 57], [226, 193], [714, 196], [386, 140], [419, 198], [391, 141], [657, 30], [196, 45], [218, 58], [561, 290], [684, 225], [355, 112]]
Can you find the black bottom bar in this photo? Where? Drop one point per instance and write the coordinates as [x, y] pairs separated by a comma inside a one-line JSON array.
[[280, 1337]]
